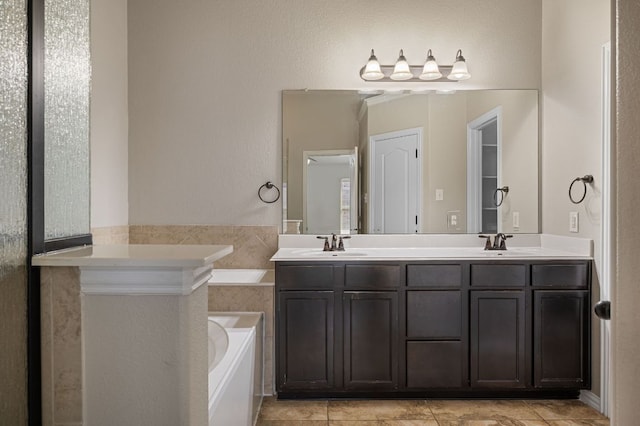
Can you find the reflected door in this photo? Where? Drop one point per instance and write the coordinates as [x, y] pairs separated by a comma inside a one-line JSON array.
[[330, 192], [395, 189]]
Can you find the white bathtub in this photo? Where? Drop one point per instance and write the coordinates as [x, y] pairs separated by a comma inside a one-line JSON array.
[[235, 277], [235, 379]]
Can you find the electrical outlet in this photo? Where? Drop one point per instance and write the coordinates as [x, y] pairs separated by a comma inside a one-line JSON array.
[[573, 221], [439, 194], [454, 219], [516, 220]]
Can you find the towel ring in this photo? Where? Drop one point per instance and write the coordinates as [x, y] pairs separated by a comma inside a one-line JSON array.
[[585, 180], [268, 186], [503, 191]]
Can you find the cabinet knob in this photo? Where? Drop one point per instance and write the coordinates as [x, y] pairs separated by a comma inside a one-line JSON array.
[[603, 309]]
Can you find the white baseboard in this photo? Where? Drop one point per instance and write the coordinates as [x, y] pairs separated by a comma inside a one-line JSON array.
[[591, 399]]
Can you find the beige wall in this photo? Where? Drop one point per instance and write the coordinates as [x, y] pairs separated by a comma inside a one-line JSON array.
[[446, 163], [573, 32], [109, 114], [626, 293], [205, 124], [519, 151]]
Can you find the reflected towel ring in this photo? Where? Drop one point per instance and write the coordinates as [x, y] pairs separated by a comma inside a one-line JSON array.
[[585, 180], [268, 185], [503, 191]]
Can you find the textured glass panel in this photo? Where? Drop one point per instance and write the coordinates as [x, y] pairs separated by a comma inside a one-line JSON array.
[[67, 83], [13, 135], [13, 211]]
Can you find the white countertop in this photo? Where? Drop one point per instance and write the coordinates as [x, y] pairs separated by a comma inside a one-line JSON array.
[[433, 247], [423, 253], [135, 255]]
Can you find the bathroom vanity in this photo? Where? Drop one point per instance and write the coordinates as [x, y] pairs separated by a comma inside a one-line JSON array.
[[362, 324]]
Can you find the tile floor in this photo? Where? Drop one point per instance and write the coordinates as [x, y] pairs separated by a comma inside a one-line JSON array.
[[429, 413]]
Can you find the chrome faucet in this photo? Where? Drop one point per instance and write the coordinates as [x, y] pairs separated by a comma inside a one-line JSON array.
[[499, 241]]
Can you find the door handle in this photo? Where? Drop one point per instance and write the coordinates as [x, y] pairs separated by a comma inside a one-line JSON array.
[[603, 309]]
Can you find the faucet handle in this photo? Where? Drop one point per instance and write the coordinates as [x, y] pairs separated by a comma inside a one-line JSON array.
[[341, 243], [503, 243], [326, 242], [487, 245]]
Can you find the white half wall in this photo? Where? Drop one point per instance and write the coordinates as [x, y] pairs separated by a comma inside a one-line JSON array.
[[109, 114], [205, 82]]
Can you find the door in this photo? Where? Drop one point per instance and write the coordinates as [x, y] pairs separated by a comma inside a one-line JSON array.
[[484, 136], [395, 182], [370, 340], [305, 340], [497, 339], [561, 338], [330, 192]]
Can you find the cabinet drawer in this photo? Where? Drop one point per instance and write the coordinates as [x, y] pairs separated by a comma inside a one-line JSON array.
[[434, 314], [498, 275], [304, 277], [372, 276], [561, 275], [434, 275], [434, 364]]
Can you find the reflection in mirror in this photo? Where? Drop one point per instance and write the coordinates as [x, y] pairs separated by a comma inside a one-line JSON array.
[[424, 162]]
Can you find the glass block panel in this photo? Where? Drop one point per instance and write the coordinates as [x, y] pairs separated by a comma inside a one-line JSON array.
[[67, 72]]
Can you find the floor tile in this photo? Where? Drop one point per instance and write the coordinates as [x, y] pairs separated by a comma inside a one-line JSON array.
[[493, 423], [480, 410], [598, 422], [273, 409], [379, 410], [564, 410], [383, 423], [291, 423]]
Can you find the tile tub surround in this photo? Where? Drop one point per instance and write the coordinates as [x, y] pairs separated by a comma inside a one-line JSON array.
[[111, 235], [253, 246], [430, 413], [61, 346]]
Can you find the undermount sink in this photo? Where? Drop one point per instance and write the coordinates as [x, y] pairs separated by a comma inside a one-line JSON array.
[[321, 253]]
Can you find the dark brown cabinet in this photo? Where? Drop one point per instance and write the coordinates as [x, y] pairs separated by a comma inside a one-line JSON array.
[[497, 339], [432, 328], [560, 337], [305, 336], [370, 330]]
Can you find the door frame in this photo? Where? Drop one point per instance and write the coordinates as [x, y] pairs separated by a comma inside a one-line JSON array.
[[474, 167], [373, 140]]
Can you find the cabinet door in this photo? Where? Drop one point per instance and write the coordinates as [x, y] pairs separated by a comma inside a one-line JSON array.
[[561, 339], [305, 339], [370, 340], [497, 325]]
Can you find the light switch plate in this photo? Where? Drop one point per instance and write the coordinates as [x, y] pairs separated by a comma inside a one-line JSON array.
[[439, 194], [516, 220], [573, 221]]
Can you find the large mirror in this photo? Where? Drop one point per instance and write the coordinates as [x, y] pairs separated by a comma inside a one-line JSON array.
[[410, 162]]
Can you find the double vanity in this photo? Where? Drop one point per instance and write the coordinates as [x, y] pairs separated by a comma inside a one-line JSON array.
[[433, 318]]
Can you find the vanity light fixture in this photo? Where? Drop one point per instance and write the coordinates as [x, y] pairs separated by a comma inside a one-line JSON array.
[[372, 70], [459, 71], [402, 71]]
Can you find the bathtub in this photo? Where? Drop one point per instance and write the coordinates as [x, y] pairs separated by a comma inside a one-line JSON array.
[[235, 277], [235, 371]]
